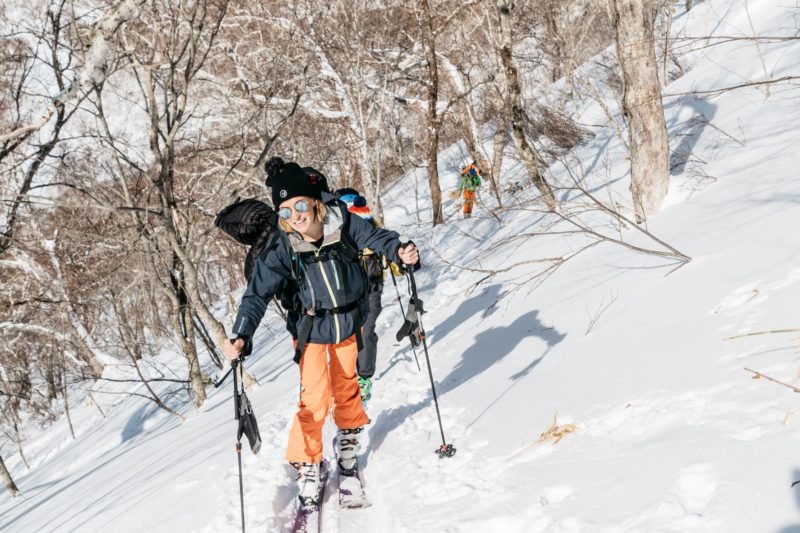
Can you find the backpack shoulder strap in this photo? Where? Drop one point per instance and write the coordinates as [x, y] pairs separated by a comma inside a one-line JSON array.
[[295, 266], [347, 241]]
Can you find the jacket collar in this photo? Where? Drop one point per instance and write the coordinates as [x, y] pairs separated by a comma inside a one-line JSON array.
[[331, 226]]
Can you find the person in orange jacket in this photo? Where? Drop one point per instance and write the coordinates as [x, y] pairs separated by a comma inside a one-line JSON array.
[[468, 185]]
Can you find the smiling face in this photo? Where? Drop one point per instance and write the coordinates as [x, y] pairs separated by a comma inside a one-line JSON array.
[[302, 221]]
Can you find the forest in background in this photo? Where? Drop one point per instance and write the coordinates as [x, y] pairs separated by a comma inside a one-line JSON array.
[[126, 126]]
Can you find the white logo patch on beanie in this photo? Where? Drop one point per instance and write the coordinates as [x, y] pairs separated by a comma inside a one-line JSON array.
[[283, 193]]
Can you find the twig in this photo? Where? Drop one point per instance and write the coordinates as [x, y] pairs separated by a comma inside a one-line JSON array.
[[759, 375], [162, 405], [600, 310], [89, 395], [768, 332], [717, 92]]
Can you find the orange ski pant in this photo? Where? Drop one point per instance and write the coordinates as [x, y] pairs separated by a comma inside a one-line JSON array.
[[327, 374], [469, 199]]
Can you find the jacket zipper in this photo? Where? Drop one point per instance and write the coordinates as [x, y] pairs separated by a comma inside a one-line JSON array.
[[333, 298], [336, 276]]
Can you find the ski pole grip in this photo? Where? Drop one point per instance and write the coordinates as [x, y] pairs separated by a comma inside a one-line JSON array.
[[242, 353], [405, 241]]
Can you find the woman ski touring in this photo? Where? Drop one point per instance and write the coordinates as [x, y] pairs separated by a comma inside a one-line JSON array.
[[318, 247]]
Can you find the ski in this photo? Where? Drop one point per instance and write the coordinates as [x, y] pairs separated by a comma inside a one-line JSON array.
[[351, 489], [309, 515]]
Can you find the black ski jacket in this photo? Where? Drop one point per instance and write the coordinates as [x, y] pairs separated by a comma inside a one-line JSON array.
[[332, 284]]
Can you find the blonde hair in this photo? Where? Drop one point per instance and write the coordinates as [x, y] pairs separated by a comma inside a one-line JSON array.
[[320, 212]]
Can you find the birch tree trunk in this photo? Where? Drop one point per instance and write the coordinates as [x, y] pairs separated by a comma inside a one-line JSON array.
[[6, 475], [64, 387], [531, 159], [642, 108], [498, 152], [434, 121], [14, 419]]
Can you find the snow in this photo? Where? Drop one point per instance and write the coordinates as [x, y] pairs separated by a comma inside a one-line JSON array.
[[646, 360]]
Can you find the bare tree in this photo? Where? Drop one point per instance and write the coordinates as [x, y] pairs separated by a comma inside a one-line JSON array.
[[434, 119], [95, 61], [532, 160], [51, 39], [634, 21], [7, 479]]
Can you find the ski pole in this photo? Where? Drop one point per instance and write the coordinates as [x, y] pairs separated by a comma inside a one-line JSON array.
[[403, 310], [445, 450], [236, 366]]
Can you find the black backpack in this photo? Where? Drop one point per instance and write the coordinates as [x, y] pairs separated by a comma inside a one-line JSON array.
[[247, 220], [253, 223]]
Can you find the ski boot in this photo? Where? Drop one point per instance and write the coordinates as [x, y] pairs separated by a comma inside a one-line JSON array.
[[365, 386], [351, 491], [309, 482]]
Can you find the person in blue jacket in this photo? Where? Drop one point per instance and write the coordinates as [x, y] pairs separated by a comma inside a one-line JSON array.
[[318, 247]]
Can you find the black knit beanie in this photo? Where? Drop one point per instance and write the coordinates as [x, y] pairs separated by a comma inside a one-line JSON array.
[[314, 174], [288, 180]]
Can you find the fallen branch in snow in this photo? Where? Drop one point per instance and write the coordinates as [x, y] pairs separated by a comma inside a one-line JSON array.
[[722, 39], [616, 214], [759, 375], [555, 432], [768, 332]]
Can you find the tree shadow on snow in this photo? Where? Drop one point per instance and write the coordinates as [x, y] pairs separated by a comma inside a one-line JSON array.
[[489, 348], [796, 527], [494, 344], [689, 131], [135, 424], [483, 303]]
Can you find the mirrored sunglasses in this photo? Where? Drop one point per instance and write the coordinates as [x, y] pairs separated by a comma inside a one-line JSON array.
[[301, 206]]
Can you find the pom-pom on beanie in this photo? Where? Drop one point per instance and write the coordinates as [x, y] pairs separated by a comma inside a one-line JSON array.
[[360, 208]]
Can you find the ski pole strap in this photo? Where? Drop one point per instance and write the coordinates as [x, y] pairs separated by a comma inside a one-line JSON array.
[[359, 340], [303, 333], [247, 424], [412, 282], [223, 378], [411, 327], [236, 368]]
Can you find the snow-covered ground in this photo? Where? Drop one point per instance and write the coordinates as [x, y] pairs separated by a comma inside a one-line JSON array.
[[669, 431]]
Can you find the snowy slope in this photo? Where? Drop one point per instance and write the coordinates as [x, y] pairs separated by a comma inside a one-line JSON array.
[[670, 432]]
